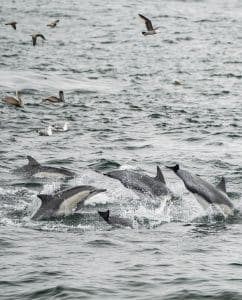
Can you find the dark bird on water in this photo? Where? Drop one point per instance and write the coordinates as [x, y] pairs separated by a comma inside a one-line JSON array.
[[55, 99], [35, 36], [13, 24], [150, 29]]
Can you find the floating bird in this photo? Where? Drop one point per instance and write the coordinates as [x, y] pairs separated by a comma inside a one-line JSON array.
[[14, 101], [55, 99], [149, 26], [35, 36], [53, 24], [59, 127], [45, 131], [13, 24]]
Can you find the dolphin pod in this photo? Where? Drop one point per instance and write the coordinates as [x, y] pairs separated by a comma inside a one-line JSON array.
[[206, 194], [70, 200]]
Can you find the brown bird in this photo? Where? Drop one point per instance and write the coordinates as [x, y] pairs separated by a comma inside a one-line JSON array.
[[13, 24], [53, 24], [55, 99], [35, 36], [14, 101]]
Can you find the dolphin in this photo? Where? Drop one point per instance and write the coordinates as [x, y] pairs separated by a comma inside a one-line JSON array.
[[64, 202], [206, 193], [34, 168], [155, 186], [115, 220]]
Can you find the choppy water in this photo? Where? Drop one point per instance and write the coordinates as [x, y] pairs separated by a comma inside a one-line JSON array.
[[124, 110]]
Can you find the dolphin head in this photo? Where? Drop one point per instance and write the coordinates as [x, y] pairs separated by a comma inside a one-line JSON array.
[[174, 168]]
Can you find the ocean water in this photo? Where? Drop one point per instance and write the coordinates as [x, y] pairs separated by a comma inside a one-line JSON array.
[[132, 102]]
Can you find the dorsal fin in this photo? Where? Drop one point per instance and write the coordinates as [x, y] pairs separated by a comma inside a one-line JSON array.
[[104, 214], [44, 198], [221, 185], [32, 161], [159, 175]]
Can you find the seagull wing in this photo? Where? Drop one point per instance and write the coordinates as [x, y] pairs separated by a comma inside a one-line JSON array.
[[13, 24], [147, 23], [34, 40], [40, 35]]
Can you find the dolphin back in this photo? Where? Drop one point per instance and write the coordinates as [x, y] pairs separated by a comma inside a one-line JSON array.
[[34, 168], [141, 182], [159, 176], [29, 169], [54, 170], [32, 162]]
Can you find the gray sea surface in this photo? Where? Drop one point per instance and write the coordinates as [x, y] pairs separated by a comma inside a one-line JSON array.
[[131, 102]]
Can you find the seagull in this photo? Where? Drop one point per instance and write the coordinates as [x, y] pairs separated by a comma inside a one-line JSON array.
[[35, 36], [45, 131], [53, 24], [59, 127], [13, 24], [149, 26], [14, 101], [55, 99]]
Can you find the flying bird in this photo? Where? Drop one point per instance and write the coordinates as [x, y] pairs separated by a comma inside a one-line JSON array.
[[150, 29], [35, 36], [13, 24], [53, 24]]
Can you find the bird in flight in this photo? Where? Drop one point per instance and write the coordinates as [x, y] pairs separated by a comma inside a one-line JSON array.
[[150, 29], [53, 24], [13, 24], [35, 36]]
